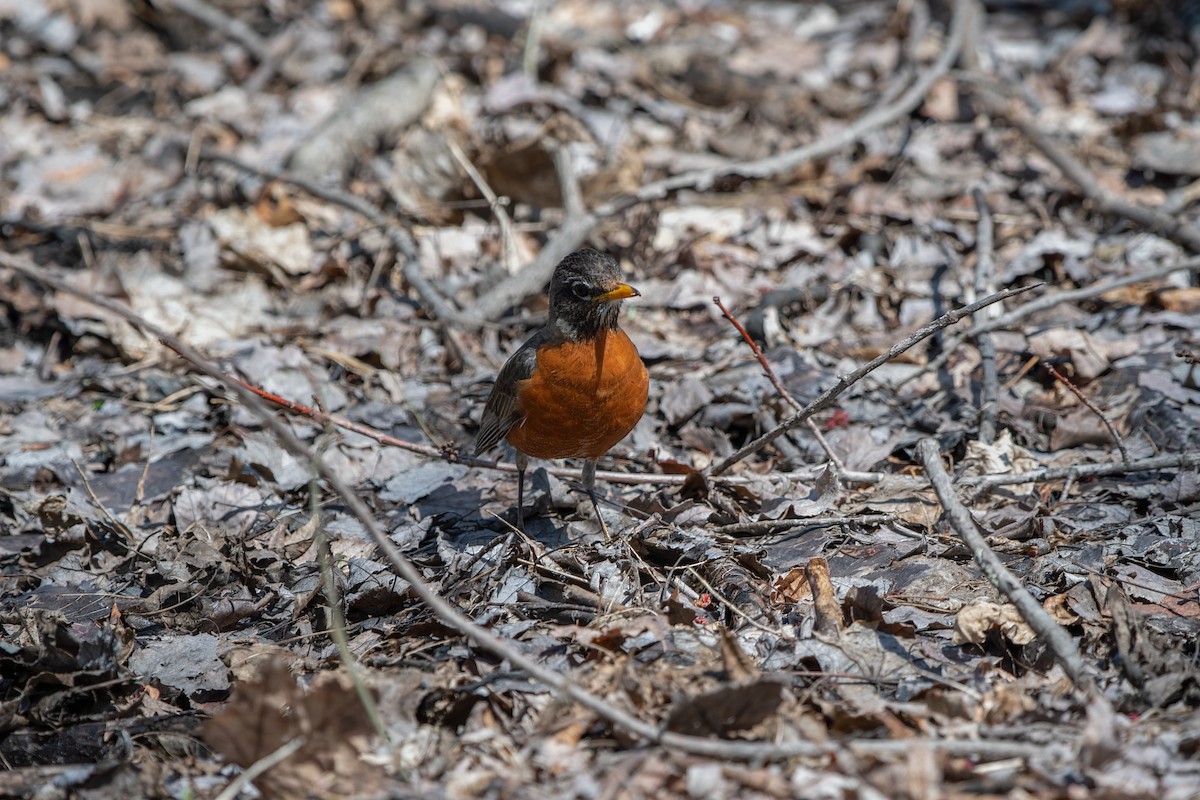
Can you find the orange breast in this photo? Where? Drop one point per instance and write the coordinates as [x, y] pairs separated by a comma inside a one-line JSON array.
[[582, 398]]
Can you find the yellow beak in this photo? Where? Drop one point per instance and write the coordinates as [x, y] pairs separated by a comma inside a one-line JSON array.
[[622, 292]]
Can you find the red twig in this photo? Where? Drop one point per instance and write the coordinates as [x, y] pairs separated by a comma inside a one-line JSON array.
[[783, 392], [758, 353], [1091, 407]]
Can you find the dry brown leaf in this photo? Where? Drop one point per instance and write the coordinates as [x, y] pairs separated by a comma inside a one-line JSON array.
[[1183, 301], [272, 710], [790, 587], [974, 622]]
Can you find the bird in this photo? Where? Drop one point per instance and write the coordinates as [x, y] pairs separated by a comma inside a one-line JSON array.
[[577, 386]]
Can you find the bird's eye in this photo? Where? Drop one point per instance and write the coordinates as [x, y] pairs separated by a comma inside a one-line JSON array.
[[582, 291]]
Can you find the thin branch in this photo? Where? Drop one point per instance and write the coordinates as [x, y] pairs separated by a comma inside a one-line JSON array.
[[779, 387], [1091, 407], [120, 527], [508, 239], [712, 591], [827, 398], [272, 759], [989, 405], [1054, 635], [337, 620], [533, 38], [344, 199], [1177, 461], [765, 527]]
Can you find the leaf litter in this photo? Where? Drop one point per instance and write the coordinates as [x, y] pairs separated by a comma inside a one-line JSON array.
[[162, 603]]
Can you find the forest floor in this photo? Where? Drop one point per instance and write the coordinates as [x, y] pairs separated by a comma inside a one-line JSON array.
[[882, 561]]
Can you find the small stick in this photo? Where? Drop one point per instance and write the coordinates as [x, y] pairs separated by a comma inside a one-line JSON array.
[[1091, 407], [508, 240], [720, 598], [1061, 645], [1176, 461], [333, 600], [121, 527], [779, 387], [278, 756], [770, 526], [827, 398], [829, 618], [989, 406]]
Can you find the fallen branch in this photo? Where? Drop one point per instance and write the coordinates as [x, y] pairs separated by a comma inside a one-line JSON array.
[[1074, 473], [1061, 645], [827, 398]]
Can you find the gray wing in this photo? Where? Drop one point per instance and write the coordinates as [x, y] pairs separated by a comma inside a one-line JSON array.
[[500, 413]]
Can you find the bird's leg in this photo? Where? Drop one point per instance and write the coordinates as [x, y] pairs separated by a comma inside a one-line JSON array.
[[522, 463], [589, 483]]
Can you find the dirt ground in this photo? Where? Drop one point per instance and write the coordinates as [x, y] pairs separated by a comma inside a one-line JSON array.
[[877, 558]]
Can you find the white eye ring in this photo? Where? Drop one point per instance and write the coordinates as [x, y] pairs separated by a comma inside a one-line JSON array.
[[582, 291]]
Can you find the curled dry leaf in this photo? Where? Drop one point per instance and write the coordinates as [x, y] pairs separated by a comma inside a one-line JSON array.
[[974, 622], [267, 713]]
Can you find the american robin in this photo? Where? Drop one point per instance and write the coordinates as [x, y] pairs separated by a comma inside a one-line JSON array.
[[578, 385]]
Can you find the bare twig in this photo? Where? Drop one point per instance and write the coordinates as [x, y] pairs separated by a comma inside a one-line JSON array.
[[769, 526], [1177, 461], [429, 295], [121, 527], [737, 612], [337, 620], [533, 38], [508, 239], [336, 196], [1054, 635], [1091, 407], [827, 398], [758, 354], [779, 387], [576, 229], [989, 408], [272, 759]]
